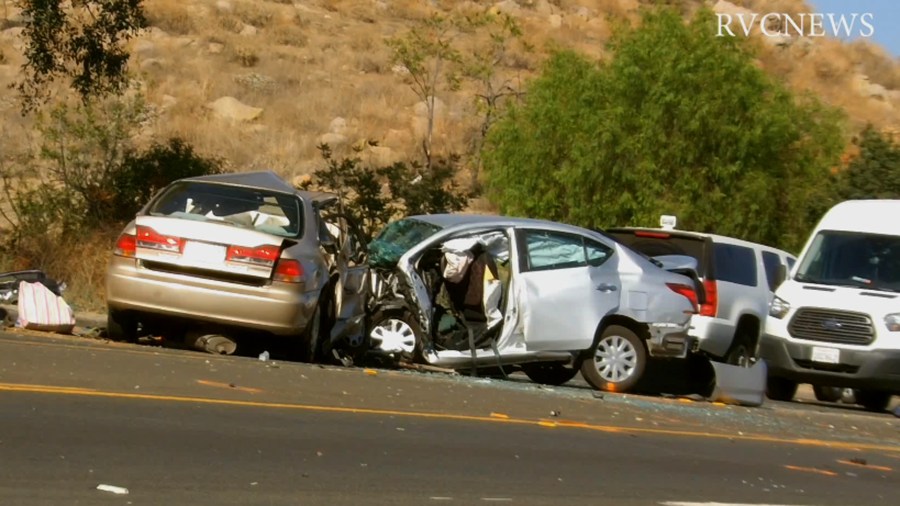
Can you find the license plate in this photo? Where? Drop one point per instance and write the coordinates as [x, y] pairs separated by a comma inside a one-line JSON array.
[[826, 355], [203, 252]]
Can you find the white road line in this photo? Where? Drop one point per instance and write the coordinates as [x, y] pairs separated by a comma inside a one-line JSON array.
[[497, 499], [441, 498]]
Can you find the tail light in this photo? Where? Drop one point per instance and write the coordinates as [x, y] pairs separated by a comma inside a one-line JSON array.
[[265, 255], [711, 307], [686, 291], [288, 270], [126, 246], [148, 238]]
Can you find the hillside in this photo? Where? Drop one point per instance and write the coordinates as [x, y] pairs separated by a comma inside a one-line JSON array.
[[301, 72]]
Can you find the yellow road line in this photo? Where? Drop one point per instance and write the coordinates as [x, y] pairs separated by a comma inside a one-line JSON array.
[[812, 470], [864, 466], [12, 387]]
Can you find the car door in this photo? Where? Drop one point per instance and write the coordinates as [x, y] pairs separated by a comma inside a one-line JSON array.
[[342, 241], [568, 283]]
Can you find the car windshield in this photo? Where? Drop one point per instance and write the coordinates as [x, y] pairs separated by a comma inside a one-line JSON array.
[[252, 208], [396, 239], [852, 259]]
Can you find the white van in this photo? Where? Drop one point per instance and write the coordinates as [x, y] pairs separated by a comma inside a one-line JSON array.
[[835, 321]]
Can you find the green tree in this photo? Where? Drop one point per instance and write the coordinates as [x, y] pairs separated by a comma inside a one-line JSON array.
[[677, 122], [875, 172], [82, 41]]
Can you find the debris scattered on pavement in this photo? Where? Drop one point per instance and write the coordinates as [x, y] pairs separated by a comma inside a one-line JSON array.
[[427, 368], [597, 394], [371, 372], [112, 489], [264, 356], [555, 412]]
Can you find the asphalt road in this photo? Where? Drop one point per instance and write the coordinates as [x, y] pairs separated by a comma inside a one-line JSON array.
[[178, 427]]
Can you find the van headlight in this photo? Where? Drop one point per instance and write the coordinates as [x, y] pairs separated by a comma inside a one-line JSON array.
[[893, 322], [779, 307]]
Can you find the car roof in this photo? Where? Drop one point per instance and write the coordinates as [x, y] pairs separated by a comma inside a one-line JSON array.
[[716, 238], [447, 220], [265, 179], [867, 216]]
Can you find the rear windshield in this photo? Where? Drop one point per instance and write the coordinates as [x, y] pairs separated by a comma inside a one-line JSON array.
[[652, 244], [396, 239], [735, 264], [252, 208]]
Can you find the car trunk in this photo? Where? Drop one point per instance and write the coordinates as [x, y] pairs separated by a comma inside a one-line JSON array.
[[206, 249]]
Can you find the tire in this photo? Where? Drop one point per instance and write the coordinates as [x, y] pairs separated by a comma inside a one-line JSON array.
[[828, 394], [401, 331], [121, 326], [310, 341], [617, 361], [740, 353], [549, 373], [873, 400], [780, 389]]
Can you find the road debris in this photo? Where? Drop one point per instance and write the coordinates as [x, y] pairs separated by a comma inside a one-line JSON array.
[[264, 356], [112, 489]]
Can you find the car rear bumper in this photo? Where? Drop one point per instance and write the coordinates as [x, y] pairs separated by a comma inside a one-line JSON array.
[[864, 369], [278, 308]]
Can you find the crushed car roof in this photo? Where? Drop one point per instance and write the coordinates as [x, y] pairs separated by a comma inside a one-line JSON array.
[[455, 219], [265, 179]]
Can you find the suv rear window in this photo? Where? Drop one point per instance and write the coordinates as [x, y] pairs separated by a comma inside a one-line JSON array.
[[736, 264], [652, 243]]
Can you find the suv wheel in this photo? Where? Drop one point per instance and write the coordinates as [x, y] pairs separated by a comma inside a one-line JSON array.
[[780, 389], [741, 354], [617, 362]]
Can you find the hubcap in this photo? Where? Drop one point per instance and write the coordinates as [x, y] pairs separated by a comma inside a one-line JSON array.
[[394, 335], [616, 359]]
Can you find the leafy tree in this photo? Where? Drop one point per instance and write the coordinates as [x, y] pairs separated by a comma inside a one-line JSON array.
[[875, 172], [82, 41], [373, 196], [677, 122]]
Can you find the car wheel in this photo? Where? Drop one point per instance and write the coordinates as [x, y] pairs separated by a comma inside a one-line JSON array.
[[617, 362], [780, 389], [873, 400], [828, 394], [311, 345], [549, 373], [121, 326], [396, 332]]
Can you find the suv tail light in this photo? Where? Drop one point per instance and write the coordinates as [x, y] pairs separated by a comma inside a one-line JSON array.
[[126, 246], [146, 237], [288, 270], [711, 307], [686, 291], [265, 255]]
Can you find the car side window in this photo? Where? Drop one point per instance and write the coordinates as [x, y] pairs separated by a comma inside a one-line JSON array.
[[735, 264], [551, 250], [596, 252], [771, 261]]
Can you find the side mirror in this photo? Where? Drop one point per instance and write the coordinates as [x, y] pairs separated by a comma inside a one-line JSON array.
[[780, 275]]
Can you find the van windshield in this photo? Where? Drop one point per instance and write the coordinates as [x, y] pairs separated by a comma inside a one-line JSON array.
[[852, 259]]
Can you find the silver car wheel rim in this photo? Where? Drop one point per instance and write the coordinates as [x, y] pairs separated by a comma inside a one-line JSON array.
[[394, 334], [616, 359]]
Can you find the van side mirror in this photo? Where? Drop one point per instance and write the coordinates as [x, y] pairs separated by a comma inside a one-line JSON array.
[[780, 275]]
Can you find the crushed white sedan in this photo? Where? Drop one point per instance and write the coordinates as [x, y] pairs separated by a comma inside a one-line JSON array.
[[471, 292]]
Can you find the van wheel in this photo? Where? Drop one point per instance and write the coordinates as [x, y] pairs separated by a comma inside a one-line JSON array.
[[617, 362], [550, 373], [780, 389], [873, 400], [828, 394], [396, 331], [121, 326]]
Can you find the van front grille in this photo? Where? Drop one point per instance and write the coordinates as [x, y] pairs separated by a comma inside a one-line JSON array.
[[830, 326]]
